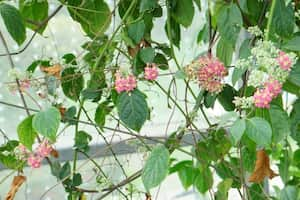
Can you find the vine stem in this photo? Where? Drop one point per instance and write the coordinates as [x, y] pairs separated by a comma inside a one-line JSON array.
[[176, 61], [270, 19]]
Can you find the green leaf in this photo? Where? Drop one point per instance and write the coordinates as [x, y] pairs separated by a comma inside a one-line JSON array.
[[289, 193], [77, 180], [26, 133], [237, 130], [245, 50], [136, 31], [198, 3], [183, 12], [283, 20], [203, 34], [82, 140], [186, 172], [226, 97], [284, 166], [72, 83], [248, 158], [70, 58], [132, 109], [36, 11], [148, 5], [204, 180], [65, 171], [224, 52], [295, 74], [156, 167], [47, 122], [102, 110], [229, 23], [94, 16], [295, 121], [147, 55], [175, 33], [279, 122], [161, 61], [237, 74], [13, 22], [259, 130], [223, 188], [293, 44]]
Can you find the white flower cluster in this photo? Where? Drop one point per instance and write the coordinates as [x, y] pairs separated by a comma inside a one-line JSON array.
[[243, 102], [254, 30], [263, 64]]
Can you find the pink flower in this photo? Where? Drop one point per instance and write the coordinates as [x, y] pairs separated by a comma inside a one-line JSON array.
[[284, 61], [274, 87], [25, 84], [34, 161], [131, 83], [21, 151], [151, 72], [211, 74], [120, 83], [125, 83], [44, 149], [262, 98]]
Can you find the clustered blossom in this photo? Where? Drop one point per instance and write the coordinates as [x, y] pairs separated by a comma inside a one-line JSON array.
[[263, 97], [211, 73], [284, 61], [151, 72], [125, 83], [35, 158], [243, 102], [268, 69]]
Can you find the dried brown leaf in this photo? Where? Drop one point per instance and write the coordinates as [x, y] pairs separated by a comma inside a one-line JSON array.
[[53, 70], [16, 184], [262, 168]]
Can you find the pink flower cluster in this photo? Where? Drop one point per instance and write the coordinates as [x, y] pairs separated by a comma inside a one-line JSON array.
[[284, 61], [35, 158], [123, 83], [263, 97], [151, 72], [211, 73]]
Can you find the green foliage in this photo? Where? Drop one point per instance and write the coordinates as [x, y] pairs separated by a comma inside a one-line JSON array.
[[13, 22], [94, 16], [230, 22], [183, 12], [224, 52], [283, 21], [147, 55], [156, 167], [289, 193], [204, 179], [259, 130], [132, 109], [279, 122], [47, 122], [136, 31], [72, 83], [186, 173], [237, 130], [82, 140], [7, 156], [148, 5], [223, 188], [36, 12], [102, 111], [26, 132], [226, 97]]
